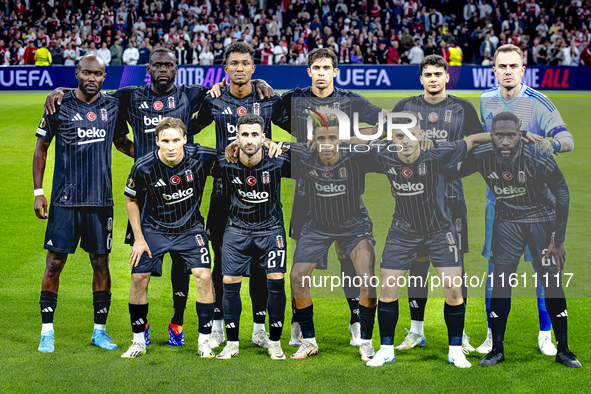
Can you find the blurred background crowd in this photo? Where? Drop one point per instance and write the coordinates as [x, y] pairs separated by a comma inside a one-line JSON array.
[[59, 32]]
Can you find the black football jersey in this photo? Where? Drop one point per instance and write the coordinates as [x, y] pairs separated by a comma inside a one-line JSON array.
[[255, 192], [334, 191], [420, 187], [84, 135], [297, 101], [226, 109], [449, 120], [530, 191], [143, 109], [172, 194]]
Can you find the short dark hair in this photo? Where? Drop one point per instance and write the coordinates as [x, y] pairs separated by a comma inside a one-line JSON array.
[[162, 49], [171, 123], [251, 119], [433, 60], [322, 53], [238, 47], [506, 116]]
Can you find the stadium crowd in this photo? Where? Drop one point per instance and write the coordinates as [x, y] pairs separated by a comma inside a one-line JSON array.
[[60, 32]]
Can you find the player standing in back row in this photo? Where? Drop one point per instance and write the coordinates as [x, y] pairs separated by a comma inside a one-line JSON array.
[[540, 118], [84, 126], [236, 101]]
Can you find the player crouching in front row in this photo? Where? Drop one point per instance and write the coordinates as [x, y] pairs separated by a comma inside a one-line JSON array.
[[170, 180], [255, 232]]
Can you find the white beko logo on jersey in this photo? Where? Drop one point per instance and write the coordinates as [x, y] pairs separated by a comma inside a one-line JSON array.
[[98, 135], [151, 122], [438, 135], [254, 197], [231, 129], [144, 105], [408, 189], [330, 190], [77, 117], [179, 196], [509, 191]]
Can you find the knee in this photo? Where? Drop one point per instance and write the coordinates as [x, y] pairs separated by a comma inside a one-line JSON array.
[[54, 264]]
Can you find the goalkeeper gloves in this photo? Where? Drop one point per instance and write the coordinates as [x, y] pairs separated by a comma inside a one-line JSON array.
[[546, 148]]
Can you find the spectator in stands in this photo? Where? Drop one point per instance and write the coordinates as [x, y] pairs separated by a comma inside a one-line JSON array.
[[180, 52], [487, 59], [575, 56], [585, 54], [43, 56], [104, 53], [117, 53], [30, 51], [206, 57], [416, 54], [131, 55], [486, 45], [18, 54], [543, 53], [356, 55], [144, 53], [393, 55], [455, 54], [69, 55], [57, 54]]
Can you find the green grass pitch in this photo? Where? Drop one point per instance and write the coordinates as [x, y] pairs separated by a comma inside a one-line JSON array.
[[76, 366]]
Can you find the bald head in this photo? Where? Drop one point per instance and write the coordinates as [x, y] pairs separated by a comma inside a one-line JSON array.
[[91, 58], [90, 75]]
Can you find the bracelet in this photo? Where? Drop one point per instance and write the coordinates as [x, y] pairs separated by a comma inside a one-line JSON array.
[[38, 192], [556, 145]]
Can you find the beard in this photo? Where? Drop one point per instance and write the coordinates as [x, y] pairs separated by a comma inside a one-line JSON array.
[[509, 160]]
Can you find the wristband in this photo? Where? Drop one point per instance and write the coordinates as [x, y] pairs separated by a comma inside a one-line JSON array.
[[38, 192], [556, 145]]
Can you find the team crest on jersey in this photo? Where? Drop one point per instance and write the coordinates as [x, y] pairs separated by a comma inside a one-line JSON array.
[[447, 116], [241, 111], [507, 175], [407, 172], [343, 172], [175, 180], [450, 238], [433, 117], [251, 180], [280, 243], [104, 114], [171, 102], [91, 116], [458, 225], [327, 175], [422, 169], [110, 224], [265, 178], [256, 108], [199, 240], [189, 175], [158, 105], [521, 177], [336, 105]]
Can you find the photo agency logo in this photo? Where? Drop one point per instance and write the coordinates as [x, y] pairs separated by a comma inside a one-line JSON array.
[[394, 121]]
